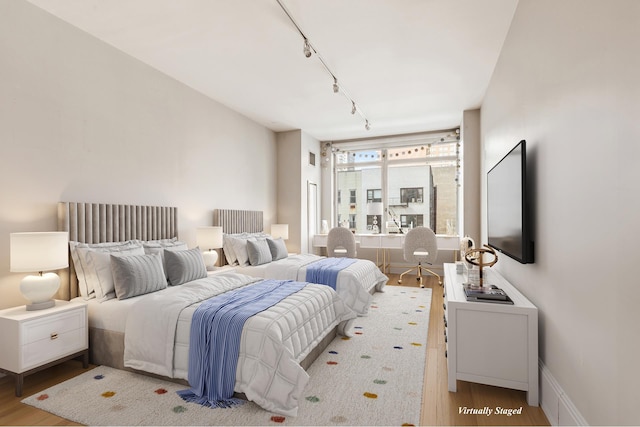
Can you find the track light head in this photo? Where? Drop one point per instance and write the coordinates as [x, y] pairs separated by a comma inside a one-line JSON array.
[[353, 107], [367, 126], [336, 88], [307, 48]]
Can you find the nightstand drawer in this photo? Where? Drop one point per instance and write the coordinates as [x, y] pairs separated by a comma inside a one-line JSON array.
[[47, 327], [53, 347]]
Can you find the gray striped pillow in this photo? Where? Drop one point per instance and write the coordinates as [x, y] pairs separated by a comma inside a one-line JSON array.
[[184, 266], [259, 252], [135, 275]]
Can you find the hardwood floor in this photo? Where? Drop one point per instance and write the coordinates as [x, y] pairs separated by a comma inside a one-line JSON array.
[[440, 407]]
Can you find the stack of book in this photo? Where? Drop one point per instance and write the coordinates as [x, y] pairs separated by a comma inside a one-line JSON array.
[[489, 293]]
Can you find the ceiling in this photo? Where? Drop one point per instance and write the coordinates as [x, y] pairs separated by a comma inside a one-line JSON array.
[[409, 65]]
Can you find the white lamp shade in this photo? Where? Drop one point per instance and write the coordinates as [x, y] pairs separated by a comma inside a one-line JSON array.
[[209, 237], [280, 230], [39, 251]]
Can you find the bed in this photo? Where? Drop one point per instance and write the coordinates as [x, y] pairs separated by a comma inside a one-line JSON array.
[[356, 281], [127, 332]]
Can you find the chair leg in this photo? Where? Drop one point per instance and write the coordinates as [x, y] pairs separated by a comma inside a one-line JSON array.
[[419, 276], [435, 274], [408, 271]]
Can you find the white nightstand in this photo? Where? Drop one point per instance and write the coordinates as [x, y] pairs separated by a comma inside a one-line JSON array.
[[35, 340]]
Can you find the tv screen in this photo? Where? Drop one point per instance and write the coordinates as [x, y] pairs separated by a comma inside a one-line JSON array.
[[508, 226]]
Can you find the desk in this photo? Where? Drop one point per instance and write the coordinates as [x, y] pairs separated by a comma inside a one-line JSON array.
[[386, 242]]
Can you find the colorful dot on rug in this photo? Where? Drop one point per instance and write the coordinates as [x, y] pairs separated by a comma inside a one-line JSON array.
[[331, 362], [278, 419], [43, 397], [365, 356], [108, 394], [160, 391], [397, 347], [413, 323], [179, 409], [313, 399], [416, 344], [379, 382], [346, 338], [338, 419], [407, 425], [370, 395], [98, 377], [333, 352]]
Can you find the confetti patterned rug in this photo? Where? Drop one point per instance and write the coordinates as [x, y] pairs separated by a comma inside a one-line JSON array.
[[373, 378]]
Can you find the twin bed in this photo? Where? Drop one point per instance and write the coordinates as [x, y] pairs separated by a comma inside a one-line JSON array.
[[137, 323]]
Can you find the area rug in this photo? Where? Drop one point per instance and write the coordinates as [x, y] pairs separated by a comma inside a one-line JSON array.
[[372, 378]]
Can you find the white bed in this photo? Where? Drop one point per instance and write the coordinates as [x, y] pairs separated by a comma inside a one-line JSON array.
[[354, 284], [150, 331]]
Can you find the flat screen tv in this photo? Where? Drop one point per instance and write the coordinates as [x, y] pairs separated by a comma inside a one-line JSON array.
[[508, 207]]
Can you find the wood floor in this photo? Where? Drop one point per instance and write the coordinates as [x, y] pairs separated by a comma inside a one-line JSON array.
[[440, 407]]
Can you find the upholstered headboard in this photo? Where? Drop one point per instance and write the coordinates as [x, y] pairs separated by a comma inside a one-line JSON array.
[[237, 221], [98, 223]]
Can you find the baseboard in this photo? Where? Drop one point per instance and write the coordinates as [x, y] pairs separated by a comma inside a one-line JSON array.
[[555, 403]]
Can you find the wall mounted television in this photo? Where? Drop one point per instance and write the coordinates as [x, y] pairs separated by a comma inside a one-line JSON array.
[[508, 206]]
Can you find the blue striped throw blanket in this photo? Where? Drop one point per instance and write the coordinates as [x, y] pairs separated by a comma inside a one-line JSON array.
[[216, 327], [326, 270]]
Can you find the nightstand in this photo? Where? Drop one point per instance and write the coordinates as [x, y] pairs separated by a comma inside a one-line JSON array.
[[35, 340]]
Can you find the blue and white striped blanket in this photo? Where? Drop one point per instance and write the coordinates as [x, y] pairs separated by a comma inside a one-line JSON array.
[[216, 328], [325, 271]]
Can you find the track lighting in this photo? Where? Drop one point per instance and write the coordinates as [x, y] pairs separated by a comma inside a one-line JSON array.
[[307, 48]]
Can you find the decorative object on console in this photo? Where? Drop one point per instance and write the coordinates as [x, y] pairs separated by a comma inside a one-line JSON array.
[[280, 230], [39, 251], [478, 260], [210, 239]]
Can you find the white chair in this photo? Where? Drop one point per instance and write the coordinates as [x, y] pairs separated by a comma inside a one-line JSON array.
[[420, 247], [341, 243]]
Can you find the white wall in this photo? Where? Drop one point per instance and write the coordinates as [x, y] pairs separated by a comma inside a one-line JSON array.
[[567, 82], [80, 121]]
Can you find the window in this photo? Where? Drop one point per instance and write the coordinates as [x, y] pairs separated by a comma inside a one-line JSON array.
[[410, 185], [411, 195], [352, 197], [352, 221], [374, 196]]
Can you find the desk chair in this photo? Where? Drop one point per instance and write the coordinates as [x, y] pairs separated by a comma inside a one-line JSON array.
[[420, 247], [341, 243]]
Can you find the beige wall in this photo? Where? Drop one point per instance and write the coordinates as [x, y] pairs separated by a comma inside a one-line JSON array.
[[80, 121], [567, 82], [294, 174]]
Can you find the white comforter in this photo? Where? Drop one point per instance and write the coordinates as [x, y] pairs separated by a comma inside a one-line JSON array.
[[354, 283], [273, 342]]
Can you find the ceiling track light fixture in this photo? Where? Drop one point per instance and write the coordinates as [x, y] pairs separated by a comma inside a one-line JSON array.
[[308, 49]]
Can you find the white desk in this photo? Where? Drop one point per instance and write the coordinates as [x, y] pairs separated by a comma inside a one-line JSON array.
[[386, 242]]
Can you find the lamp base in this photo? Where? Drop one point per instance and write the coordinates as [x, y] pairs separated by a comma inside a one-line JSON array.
[[210, 259], [40, 305], [40, 290]]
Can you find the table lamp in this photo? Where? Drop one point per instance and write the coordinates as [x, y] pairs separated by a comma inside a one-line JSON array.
[[209, 239], [39, 251], [280, 230]]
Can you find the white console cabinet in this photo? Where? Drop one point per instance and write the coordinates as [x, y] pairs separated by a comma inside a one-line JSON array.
[[490, 343]]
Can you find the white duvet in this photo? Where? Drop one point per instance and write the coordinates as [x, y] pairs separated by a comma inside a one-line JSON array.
[[354, 283], [273, 342]]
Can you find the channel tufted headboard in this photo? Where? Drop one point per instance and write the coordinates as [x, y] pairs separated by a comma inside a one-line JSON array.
[[98, 223], [237, 221]]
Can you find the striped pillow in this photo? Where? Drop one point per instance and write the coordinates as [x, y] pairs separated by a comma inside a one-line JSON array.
[[135, 275], [259, 252], [184, 266]]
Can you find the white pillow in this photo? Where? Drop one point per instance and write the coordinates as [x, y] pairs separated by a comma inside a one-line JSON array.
[[100, 276], [78, 255]]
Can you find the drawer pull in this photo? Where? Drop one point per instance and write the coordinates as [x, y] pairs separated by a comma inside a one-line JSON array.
[[54, 336]]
